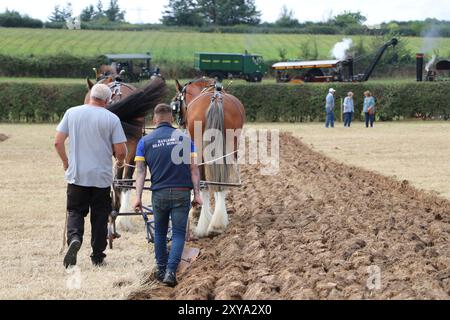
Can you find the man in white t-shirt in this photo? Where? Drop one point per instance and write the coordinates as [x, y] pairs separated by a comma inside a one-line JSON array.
[[95, 134]]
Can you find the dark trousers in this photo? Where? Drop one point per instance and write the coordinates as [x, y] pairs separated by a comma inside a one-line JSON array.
[[174, 205], [79, 201], [348, 117], [370, 118]]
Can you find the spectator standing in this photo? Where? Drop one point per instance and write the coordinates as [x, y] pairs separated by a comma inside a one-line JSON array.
[[349, 109], [329, 108], [369, 109]]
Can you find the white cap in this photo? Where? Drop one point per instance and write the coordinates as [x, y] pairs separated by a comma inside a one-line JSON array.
[[101, 92], [332, 90]]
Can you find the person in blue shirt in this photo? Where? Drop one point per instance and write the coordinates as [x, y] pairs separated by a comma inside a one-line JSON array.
[[369, 108], [329, 108], [170, 155], [349, 109]]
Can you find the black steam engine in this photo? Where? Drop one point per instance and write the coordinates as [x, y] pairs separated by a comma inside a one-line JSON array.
[[432, 71]]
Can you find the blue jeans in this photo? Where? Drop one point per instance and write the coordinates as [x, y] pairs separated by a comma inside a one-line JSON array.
[[173, 204], [330, 119], [370, 118], [348, 117]]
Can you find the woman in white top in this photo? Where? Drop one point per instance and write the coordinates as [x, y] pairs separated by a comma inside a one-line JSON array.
[[349, 109]]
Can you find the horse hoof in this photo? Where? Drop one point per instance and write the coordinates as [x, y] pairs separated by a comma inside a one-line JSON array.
[[199, 234], [214, 232]]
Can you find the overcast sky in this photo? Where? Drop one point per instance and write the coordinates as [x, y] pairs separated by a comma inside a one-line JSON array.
[[376, 11]]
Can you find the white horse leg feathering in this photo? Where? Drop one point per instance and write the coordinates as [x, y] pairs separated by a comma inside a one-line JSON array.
[[219, 221], [205, 216], [124, 223]]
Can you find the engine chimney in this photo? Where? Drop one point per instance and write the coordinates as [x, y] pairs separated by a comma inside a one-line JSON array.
[[419, 66]]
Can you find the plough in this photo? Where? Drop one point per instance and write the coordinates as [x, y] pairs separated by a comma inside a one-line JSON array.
[[189, 254]]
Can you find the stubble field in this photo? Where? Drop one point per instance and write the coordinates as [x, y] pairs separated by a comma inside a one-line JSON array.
[[317, 198]]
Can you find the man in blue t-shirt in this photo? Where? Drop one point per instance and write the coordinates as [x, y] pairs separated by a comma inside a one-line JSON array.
[[170, 155]]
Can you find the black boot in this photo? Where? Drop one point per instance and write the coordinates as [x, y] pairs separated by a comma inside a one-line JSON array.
[[170, 279], [71, 256], [160, 274], [98, 260]]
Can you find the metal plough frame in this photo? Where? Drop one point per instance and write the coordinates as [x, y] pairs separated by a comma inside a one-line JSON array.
[[124, 184]]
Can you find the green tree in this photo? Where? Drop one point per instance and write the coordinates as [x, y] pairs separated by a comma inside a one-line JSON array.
[[282, 53], [349, 18], [88, 13], [209, 10], [400, 55], [287, 19], [182, 13], [99, 12], [13, 19], [230, 12], [114, 13], [61, 15]]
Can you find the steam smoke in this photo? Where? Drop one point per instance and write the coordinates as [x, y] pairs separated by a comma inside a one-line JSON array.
[[430, 63], [340, 49], [430, 39]]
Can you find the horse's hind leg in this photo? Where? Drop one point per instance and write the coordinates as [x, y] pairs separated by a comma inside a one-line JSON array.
[[219, 221], [124, 223], [205, 216]]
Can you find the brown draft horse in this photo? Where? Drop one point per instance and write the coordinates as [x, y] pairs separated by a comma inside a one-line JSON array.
[[132, 106], [203, 102]]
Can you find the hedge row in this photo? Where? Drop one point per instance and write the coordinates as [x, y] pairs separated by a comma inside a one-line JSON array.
[[69, 66], [58, 66], [302, 103], [31, 102]]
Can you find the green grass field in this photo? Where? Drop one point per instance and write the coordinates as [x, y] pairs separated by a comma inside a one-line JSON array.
[[168, 45], [83, 81]]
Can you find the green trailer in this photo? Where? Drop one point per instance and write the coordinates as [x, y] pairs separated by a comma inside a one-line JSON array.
[[231, 65]]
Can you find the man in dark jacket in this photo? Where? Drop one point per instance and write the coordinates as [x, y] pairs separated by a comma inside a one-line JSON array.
[[170, 156]]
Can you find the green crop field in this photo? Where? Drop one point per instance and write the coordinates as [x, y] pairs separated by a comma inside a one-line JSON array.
[[170, 46]]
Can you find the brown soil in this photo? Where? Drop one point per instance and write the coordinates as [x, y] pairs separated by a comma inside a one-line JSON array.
[[3, 137], [312, 232]]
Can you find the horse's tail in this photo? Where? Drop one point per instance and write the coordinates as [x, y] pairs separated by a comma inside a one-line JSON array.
[[139, 104], [217, 171]]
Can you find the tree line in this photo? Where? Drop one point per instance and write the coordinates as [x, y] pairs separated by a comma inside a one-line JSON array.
[[211, 12], [227, 16], [90, 13], [90, 16]]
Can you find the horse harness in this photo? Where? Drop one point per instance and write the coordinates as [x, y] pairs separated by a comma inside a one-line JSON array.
[[179, 106]]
